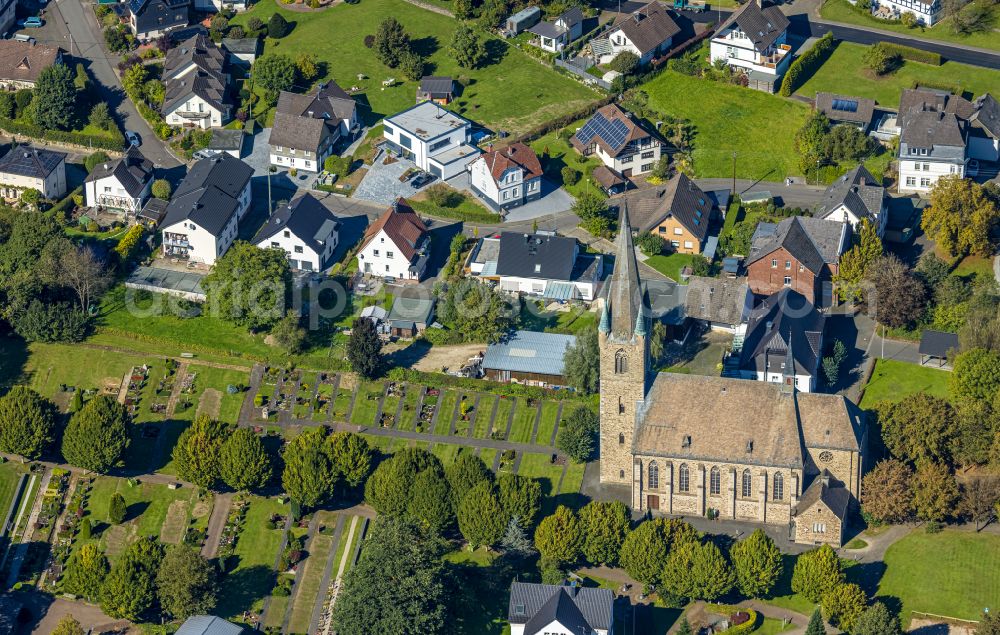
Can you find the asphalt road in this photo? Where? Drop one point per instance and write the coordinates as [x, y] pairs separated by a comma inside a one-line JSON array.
[[65, 18]]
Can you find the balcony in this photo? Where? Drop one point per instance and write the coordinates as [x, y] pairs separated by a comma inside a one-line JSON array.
[[773, 59], [176, 240]]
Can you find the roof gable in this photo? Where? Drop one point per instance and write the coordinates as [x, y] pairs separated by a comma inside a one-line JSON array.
[[648, 27], [536, 256], [401, 225], [306, 218], [611, 128], [680, 198], [762, 26]]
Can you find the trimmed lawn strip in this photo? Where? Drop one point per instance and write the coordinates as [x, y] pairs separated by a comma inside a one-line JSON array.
[[447, 452], [547, 423], [572, 480], [308, 590], [671, 265], [10, 474], [488, 455], [408, 415], [366, 403], [571, 322], [376, 441], [503, 415], [540, 467], [52, 364], [220, 379], [893, 380], [246, 586], [341, 404], [484, 411], [524, 422], [446, 409]]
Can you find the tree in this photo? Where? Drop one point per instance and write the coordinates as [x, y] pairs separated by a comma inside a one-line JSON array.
[[843, 606], [480, 517], [134, 80], [515, 540], [593, 211], [130, 589], [649, 243], [430, 506], [85, 572], [391, 42], [155, 91], [976, 374], [308, 477], [78, 268], [816, 626], [95, 159], [117, 509], [467, 47], [244, 463], [879, 59], [810, 141], [187, 583], [30, 197], [69, 626], [658, 341], [161, 189], [582, 362], [816, 572], [644, 552], [625, 63], [289, 334], [520, 498], [918, 428], [758, 564], [698, 571], [307, 64], [605, 525], [351, 457], [196, 454], [96, 437], [898, 297], [979, 497], [478, 312], [465, 473], [248, 286], [277, 27], [100, 116], [960, 217], [989, 624], [886, 496], [364, 348], [374, 597], [55, 97], [578, 436], [27, 423], [559, 537], [856, 263], [387, 490], [877, 620], [684, 628], [832, 363], [935, 492], [274, 73]]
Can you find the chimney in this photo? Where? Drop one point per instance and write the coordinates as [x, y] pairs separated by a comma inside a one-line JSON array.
[[107, 167], [769, 325]]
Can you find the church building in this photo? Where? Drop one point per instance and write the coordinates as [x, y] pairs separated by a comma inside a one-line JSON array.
[[693, 445]]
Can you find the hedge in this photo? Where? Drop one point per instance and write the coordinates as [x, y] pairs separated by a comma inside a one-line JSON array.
[[913, 54], [129, 241], [807, 64], [746, 627], [114, 143], [955, 89], [438, 380], [66, 203]]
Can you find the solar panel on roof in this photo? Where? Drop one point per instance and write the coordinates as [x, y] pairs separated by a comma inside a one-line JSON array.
[[845, 105], [613, 132]]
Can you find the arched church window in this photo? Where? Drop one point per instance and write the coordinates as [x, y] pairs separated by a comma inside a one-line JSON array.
[[621, 473], [653, 482], [621, 406], [747, 484], [715, 481], [621, 438], [683, 478], [621, 363], [778, 492]]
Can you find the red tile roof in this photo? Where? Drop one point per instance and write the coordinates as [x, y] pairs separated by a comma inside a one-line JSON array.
[[403, 227], [515, 155]]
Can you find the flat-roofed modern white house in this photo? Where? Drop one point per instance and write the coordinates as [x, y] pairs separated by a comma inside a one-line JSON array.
[[434, 138]]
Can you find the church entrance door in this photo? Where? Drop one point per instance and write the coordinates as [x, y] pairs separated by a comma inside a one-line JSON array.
[[652, 502]]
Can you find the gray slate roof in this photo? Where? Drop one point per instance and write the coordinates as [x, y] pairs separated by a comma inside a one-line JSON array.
[[721, 300], [32, 162], [762, 26], [783, 324], [538, 605], [648, 27], [303, 122], [133, 171], [858, 191], [529, 351], [987, 114], [836, 497], [929, 129], [305, 217], [209, 194], [536, 256], [938, 343], [680, 197], [208, 625], [225, 139], [200, 83], [412, 306], [623, 306], [862, 112], [437, 85], [198, 50], [811, 241]]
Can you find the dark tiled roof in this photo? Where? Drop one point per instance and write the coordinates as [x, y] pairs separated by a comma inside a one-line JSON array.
[[209, 194], [329, 101], [928, 128], [680, 198], [623, 309], [200, 83], [25, 160], [133, 171], [155, 209], [301, 133], [538, 605], [607, 177], [914, 100], [198, 50], [987, 114], [305, 217], [858, 191], [648, 27], [836, 497], [159, 15], [762, 26], [811, 241], [225, 139], [536, 256], [784, 324], [722, 300], [435, 85], [846, 108], [938, 343], [23, 61]]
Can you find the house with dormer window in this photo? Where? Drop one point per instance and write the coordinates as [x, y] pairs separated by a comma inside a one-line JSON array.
[[618, 141], [544, 609], [196, 85], [507, 177], [21, 62], [679, 212], [396, 246], [307, 128], [754, 40], [784, 340], [305, 230], [554, 36], [647, 32]]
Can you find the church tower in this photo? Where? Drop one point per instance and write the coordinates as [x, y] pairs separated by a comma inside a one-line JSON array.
[[623, 338]]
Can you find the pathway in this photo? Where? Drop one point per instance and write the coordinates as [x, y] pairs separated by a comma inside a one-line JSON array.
[[29, 527], [216, 524], [177, 358], [340, 573], [324, 584], [175, 391], [878, 543], [17, 521], [277, 560], [300, 571], [432, 8]]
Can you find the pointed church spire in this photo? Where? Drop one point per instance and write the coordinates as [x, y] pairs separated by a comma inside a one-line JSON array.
[[624, 290]]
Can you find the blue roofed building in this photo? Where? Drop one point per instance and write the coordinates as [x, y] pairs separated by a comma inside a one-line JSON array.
[[208, 625], [528, 357]]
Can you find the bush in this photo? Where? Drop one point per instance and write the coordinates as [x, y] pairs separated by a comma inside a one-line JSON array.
[[570, 176], [650, 244], [277, 27], [625, 63], [880, 60], [95, 159], [126, 246], [912, 54], [161, 189], [803, 67]]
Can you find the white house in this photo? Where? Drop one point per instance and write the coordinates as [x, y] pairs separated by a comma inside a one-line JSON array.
[[396, 246], [25, 167], [933, 138], [784, 339], [149, 19], [308, 127], [618, 141], [124, 184], [554, 36], [984, 129], [855, 196], [646, 32], [507, 177], [202, 219], [545, 265], [305, 230], [196, 84], [753, 39], [927, 13], [549, 609], [435, 139]]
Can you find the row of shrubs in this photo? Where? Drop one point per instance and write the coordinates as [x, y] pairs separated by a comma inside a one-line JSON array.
[[112, 141], [955, 89], [807, 64], [912, 54], [497, 388]]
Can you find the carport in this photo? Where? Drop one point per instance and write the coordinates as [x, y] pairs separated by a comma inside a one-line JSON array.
[[938, 345]]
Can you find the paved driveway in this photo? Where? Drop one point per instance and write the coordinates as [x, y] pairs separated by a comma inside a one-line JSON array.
[[381, 184], [259, 157], [553, 200]]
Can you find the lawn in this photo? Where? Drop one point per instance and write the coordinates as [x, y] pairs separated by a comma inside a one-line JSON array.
[[576, 319], [758, 127], [556, 153], [408, 415], [446, 410], [671, 265], [973, 266], [514, 94], [547, 423], [951, 573], [447, 452], [481, 424], [50, 365], [10, 476], [893, 380], [845, 72], [524, 422], [539, 466], [488, 455], [308, 592], [503, 418], [366, 403], [255, 553], [572, 480], [841, 11], [219, 379]]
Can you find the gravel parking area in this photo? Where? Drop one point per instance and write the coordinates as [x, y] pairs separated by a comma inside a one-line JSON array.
[[381, 184]]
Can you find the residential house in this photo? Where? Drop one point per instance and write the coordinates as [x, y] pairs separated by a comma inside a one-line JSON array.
[[855, 196], [435, 139], [846, 110], [208, 625], [546, 265], [528, 357], [242, 51], [618, 141], [932, 144], [217, 6], [526, 17], [21, 62], [753, 39], [927, 12], [26, 167], [537, 609], [784, 341], [396, 246], [196, 85], [411, 313], [482, 258], [507, 177], [440, 90], [723, 304], [679, 212], [305, 230], [646, 32], [555, 35], [202, 219], [123, 184], [8, 11], [799, 252], [149, 19], [984, 129], [308, 127]]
